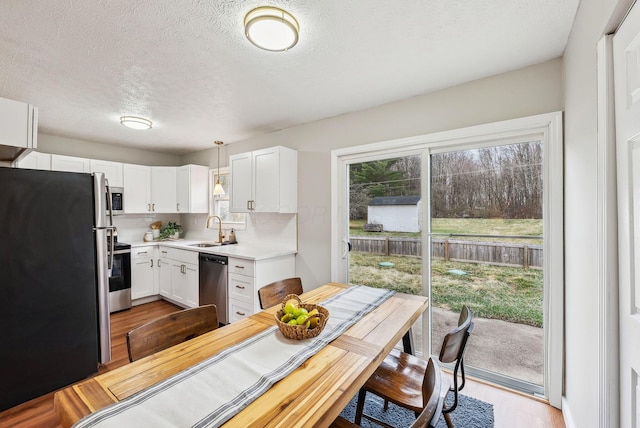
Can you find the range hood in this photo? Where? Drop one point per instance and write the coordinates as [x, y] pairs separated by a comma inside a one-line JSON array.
[[18, 130]]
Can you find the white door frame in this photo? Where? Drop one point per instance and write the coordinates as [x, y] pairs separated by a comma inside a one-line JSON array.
[[607, 242], [550, 125]]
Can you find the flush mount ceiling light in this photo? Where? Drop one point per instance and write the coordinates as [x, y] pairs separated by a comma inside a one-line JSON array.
[[135, 122], [271, 28]]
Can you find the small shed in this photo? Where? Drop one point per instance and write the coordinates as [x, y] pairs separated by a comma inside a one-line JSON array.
[[396, 213]]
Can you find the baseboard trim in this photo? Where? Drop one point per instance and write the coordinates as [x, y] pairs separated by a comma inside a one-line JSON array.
[[566, 413]]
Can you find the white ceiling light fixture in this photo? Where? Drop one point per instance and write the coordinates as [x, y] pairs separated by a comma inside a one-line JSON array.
[[135, 122], [218, 190], [271, 28]]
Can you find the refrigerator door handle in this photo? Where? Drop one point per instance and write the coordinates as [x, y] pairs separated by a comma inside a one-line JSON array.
[[104, 262], [111, 228]]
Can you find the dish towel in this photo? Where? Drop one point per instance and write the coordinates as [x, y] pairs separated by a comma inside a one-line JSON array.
[[214, 390]]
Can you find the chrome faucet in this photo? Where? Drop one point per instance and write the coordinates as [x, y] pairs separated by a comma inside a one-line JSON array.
[[220, 235]]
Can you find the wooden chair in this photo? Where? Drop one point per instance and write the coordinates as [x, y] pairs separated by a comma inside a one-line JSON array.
[[432, 398], [170, 330], [452, 350], [272, 294], [400, 377]]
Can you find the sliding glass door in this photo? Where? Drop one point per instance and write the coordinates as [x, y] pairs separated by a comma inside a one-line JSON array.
[[467, 217]]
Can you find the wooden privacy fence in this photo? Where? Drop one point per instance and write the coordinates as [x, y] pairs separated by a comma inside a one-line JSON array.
[[491, 253]]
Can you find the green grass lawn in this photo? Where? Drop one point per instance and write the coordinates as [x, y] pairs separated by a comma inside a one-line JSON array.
[[474, 226], [506, 293]]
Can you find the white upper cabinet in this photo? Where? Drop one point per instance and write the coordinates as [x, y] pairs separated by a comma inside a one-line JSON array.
[[112, 171], [137, 189], [70, 164], [241, 189], [149, 189], [19, 125], [193, 189], [264, 181], [163, 189], [35, 160]]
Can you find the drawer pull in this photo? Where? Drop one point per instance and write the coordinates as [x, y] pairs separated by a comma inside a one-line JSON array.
[[142, 252], [240, 313], [163, 252], [240, 287], [239, 267]]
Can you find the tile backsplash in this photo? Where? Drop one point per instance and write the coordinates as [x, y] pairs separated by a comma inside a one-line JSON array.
[[261, 228], [131, 227]]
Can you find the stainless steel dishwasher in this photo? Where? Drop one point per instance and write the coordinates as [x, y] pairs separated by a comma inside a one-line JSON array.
[[213, 283]]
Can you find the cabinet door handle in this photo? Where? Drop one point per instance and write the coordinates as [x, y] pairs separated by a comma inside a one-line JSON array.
[[151, 262], [153, 207], [239, 267], [148, 207], [240, 313], [178, 206], [158, 262], [240, 287], [248, 205]]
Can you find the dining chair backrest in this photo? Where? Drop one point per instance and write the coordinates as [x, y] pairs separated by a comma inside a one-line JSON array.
[[431, 396], [170, 330], [454, 342], [453, 346], [272, 294]]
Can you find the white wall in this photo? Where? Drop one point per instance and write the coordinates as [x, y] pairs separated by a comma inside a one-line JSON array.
[[532, 90], [594, 18], [92, 150]]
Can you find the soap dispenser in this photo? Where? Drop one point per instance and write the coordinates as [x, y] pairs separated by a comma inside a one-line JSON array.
[[232, 236]]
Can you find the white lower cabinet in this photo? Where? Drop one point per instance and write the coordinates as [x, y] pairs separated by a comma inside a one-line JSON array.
[[238, 310], [164, 278], [173, 274], [179, 276], [178, 281], [246, 277], [143, 272]]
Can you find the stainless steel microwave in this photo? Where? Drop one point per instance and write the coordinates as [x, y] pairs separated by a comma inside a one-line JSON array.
[[117, 200]]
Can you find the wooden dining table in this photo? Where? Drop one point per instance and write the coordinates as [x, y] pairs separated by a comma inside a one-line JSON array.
[[310, 396]]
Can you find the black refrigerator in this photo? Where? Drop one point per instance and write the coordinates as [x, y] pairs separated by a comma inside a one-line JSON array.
[[54, 314]]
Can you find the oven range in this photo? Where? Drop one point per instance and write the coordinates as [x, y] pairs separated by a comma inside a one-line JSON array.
[[120, 277]]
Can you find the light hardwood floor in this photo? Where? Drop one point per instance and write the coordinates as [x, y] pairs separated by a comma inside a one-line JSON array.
[[511, 409]]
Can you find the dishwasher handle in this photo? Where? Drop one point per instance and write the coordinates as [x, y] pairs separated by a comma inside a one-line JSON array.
[[212, 258]]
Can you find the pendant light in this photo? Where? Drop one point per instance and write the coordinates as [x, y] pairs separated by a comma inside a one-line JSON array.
[[217, 189]]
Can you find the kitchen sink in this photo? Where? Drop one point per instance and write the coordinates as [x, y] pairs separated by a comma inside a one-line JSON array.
[[205, 244]]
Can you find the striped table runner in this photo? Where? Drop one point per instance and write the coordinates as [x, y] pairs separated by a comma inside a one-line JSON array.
[[211, 392]]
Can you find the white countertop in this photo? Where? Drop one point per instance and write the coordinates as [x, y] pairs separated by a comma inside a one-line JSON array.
[[243, 251]]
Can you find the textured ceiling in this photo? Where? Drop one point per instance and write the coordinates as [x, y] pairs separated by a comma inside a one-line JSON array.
[[187, 66]]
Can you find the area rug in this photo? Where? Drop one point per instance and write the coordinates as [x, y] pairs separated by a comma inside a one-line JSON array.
[[471, 413]]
